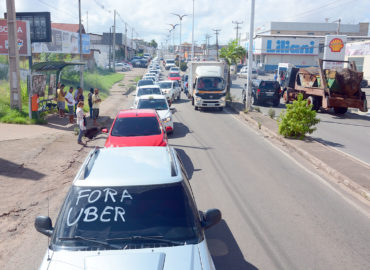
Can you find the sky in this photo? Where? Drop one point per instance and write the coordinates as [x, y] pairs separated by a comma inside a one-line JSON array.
[[151, 18]]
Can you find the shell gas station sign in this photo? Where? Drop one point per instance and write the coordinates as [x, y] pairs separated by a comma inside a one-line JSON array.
[[23, 37], [334, 50]]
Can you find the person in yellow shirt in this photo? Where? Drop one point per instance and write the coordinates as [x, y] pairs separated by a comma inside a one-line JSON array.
[[61, 100], [96, 100]]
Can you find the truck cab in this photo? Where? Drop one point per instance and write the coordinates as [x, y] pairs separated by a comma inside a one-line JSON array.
[[208, 85]]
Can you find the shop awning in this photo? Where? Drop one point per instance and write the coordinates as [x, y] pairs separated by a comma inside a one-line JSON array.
[[53, 65]]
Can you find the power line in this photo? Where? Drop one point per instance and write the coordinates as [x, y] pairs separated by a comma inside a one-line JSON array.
[[50, 6]]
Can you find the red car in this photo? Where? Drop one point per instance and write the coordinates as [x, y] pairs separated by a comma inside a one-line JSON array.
[[136, 128], [174, 76]]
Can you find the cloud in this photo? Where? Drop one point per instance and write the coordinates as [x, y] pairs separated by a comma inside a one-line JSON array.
[[150, 18]]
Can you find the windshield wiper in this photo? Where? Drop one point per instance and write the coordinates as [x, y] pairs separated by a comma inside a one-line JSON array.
[[90, 240], [157, 238]]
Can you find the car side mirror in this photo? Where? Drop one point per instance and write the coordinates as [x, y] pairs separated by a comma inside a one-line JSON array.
[[211, 218], [104, 130], [44, 225]]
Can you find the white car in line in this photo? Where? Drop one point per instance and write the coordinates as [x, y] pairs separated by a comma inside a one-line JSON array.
[[129, 208], [146, 90], [159, 103], [171, 89]]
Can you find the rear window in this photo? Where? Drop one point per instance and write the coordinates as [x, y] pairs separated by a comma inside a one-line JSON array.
[[136, 126], [157, 104], [149, 91], [269, 85], [165, 85], [145, 82], [172, 75], [170, 61]]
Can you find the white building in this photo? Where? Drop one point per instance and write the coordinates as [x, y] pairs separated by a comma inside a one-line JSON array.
[[359, 52]]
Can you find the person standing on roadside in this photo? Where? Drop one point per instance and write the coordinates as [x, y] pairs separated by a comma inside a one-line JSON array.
[[61, 100], [96, 100], [80, 121], [71, 105], [79, 95], [89, 98]]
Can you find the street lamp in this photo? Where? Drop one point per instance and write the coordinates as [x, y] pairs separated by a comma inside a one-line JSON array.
[[192, 37], [173, 35], [180, 17]]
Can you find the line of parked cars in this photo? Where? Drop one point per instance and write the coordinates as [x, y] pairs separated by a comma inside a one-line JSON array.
[[131, 205]]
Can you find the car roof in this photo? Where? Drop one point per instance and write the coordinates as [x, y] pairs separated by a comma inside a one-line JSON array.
[[129, 166], [149, 86], [154, 96], [166, 81], [136, 113]]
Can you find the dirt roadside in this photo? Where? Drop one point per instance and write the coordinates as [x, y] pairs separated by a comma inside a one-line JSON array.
[[37, 166], [347, 173]]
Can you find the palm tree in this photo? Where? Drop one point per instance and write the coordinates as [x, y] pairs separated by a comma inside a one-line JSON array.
[[231, 54]]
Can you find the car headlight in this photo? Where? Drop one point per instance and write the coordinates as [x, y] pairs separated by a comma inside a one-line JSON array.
[[166, 120], [198, 99], [223, 98]]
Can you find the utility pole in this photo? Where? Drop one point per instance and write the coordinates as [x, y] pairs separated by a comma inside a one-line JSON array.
[[338, 29], [87, 22], [207, 44], [13, 56], [216, 32], [114, 42], [250, 56], [192, 38], [132, 38], [125, 41], [80, 36], [237, 30], [110, 45]]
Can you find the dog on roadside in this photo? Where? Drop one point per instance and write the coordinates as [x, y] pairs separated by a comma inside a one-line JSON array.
[[93, 132]]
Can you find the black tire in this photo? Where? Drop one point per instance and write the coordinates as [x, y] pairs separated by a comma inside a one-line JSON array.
[[196, 108], [340, 110], [178, 97], [220, 109], [276, 102], [192, 101], [254, 101]]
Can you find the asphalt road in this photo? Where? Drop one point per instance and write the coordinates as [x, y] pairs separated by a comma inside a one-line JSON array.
[[349, 133], [276, 214]]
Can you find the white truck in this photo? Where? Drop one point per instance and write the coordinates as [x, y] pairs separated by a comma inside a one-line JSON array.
[[207, 84]]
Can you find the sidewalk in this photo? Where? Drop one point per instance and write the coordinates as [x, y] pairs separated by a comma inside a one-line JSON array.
[[346, 170]]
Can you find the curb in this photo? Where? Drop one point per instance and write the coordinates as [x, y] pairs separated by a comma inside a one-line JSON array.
[[319, 164]]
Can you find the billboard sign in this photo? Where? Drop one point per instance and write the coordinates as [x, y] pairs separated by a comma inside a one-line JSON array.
[[23, 37], [285, 46], [40, 25], [63, 42], [335, 48], [358, 48]]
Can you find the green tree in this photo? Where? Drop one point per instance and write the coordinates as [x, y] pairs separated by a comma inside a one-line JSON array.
[[298, 120], [231, 54], [153, 44]]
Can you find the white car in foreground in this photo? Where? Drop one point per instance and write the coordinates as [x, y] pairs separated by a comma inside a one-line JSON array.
[[129, 208], [171, 89], [159, 103]]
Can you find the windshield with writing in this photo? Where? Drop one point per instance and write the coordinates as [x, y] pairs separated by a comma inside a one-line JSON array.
[[157, 104], [210, 84], [113, 214], [149, 91]]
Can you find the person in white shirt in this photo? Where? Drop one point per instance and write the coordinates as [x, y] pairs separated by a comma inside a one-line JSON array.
[[80, 121], [70, 103]]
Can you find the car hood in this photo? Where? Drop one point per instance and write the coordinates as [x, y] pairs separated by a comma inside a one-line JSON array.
[[163, 114], [153, 140], [188, 257]]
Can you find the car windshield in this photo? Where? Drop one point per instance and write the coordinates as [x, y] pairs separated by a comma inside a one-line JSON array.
[[136, 126], [269, 85], [165, 85], [127, 217], [145, 82], [210, 84], [173, 75], [149, 91], [170, 61], [157, 104]]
